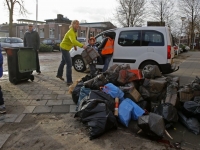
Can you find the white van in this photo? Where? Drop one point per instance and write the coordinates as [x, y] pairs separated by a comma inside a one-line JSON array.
[[137, 46]]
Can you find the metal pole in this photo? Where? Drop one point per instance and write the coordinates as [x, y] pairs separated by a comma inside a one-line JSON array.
[[36, 14], [180, 38]]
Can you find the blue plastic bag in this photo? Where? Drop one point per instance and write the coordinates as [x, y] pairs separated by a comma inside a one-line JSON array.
[[113, 91], [83, 92], [137, 110], [124, 113]]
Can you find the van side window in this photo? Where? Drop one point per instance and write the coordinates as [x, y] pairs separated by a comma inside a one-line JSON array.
[[152, 38], [129, 38]]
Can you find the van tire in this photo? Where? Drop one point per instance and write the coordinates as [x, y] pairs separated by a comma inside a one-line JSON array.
[[79, 64], [148, 63]]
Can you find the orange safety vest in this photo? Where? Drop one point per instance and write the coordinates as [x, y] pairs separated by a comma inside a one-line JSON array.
[[108, 48]]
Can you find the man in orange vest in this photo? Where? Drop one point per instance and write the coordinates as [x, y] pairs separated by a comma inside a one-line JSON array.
[[107, 50]]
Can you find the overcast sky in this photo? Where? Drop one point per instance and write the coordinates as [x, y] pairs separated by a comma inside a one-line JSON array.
[[89, 10]]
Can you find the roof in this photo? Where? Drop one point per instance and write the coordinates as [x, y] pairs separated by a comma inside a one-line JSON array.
[[64, 19], [27, 20]]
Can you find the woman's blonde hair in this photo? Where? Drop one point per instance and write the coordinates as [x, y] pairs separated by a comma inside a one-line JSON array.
[[73, 23]]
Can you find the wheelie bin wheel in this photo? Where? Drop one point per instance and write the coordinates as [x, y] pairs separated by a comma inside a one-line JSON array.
[[32, 78], [14, 81]]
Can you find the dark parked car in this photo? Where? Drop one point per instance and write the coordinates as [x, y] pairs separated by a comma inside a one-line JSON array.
[[55, 43]]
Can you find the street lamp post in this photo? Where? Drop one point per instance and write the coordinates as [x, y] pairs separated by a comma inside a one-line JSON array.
[[36, 14], [182, 18]]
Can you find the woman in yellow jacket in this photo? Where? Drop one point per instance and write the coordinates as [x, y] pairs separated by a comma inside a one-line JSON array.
[[65, 46]]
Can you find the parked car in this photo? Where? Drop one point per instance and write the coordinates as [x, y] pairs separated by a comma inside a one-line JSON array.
[[55, 43], [81, 40], [11, 42], [137, 46], [176, 48]]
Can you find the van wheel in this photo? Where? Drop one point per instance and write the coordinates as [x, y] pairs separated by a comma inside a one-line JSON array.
[[79, 64], [144, 64]]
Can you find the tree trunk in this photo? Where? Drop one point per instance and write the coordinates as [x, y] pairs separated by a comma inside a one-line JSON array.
[[11, 20]]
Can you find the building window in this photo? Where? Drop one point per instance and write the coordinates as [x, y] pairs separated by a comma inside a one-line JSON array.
[[51, 32], [83, 33], [42, 33], [91, 34], [21, 34]]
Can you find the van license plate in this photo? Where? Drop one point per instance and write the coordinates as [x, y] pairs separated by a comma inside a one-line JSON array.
[[172, 61]]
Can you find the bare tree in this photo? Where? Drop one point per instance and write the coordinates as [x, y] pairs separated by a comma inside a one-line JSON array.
[[190, 9], [163, 10], [130, 12], [11, 5]]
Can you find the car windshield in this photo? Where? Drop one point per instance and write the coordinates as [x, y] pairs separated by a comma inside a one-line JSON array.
[[16, 40]]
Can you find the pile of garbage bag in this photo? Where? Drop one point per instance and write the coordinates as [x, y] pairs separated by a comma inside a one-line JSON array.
[[120, 95]]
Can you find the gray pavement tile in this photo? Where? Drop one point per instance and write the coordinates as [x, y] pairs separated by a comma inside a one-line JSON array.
[[59, 92], [28, 109], [9, 102], [3, 139], [22, 102], [49, 97], [72, 108], [8, 118], [64, 97], [45, 92], [60, 109], [36, 96], [1, 124], [37, 103], [68, 102], [19, 119], [54, 102], [54, 88], [42, 109]]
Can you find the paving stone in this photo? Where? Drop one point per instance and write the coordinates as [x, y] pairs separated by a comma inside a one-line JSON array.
[[64, 97], [36, 103], [68, 102], [3, 139], [42, 109], [22, 102], [54, 88], [59, 92], [60, 109], [54, 102], [72, 108], [36, 96], [1, 124], [28, 109], [19, 119], [49, 97], [45, 92], [9, 102], [8, 118]]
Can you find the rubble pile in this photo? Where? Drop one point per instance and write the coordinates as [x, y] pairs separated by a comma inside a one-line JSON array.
[[120, 95]]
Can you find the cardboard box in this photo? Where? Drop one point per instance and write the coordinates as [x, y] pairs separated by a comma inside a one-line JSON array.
[[172, 98], [184, 97], [135, 94]]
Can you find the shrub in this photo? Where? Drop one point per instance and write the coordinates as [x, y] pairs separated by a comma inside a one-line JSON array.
[[45, 48]]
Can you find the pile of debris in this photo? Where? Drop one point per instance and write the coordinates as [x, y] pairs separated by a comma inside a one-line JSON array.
[[121, 94]]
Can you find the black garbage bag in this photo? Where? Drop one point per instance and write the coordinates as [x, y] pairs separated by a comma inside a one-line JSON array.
[[145, 105], [191, 123], [98, 117], [76, 92], [168, 112], [86, 78], [193, 107], [97, 94], [112, 73], [151, 71], [152, 125], [96, 82]]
